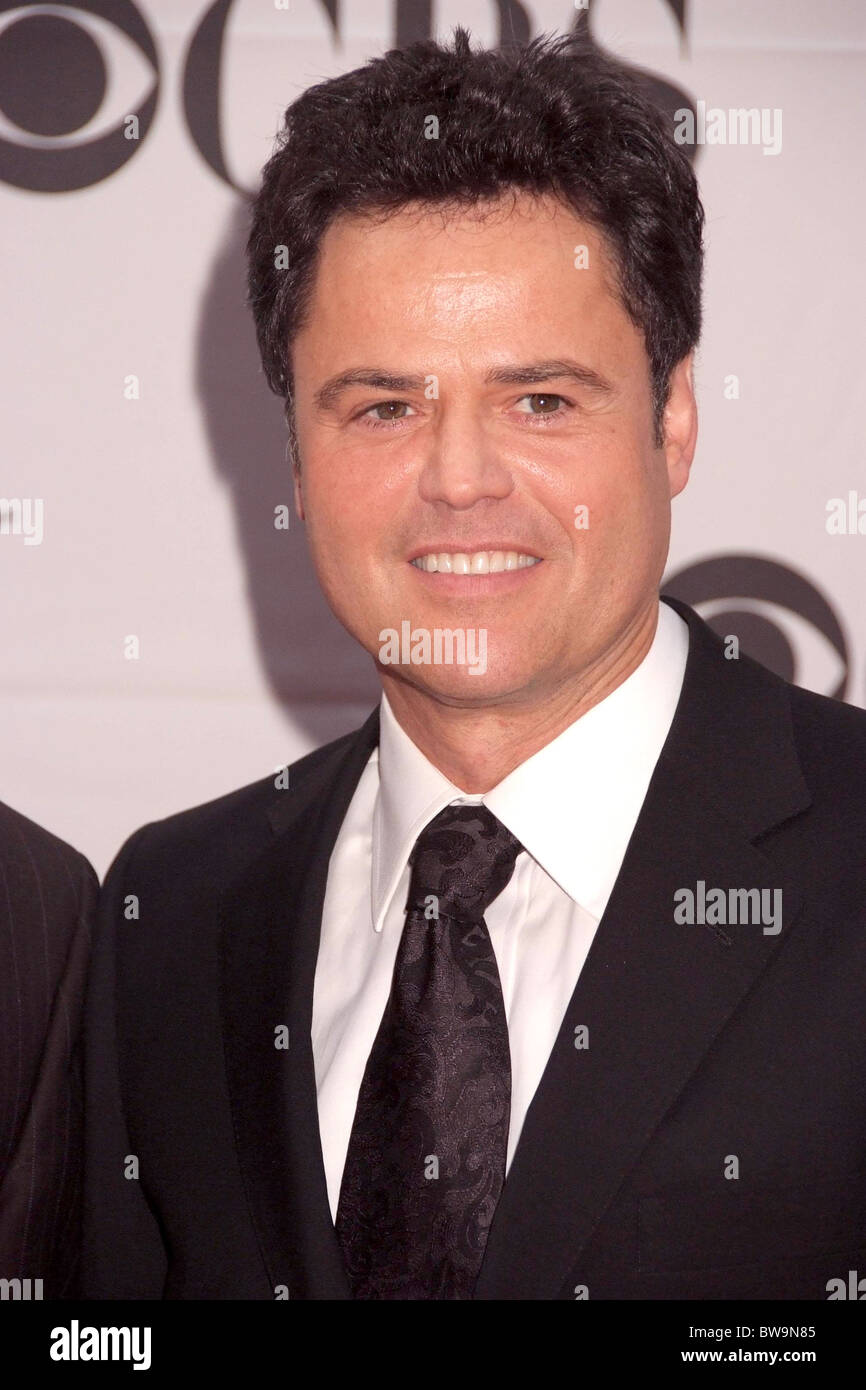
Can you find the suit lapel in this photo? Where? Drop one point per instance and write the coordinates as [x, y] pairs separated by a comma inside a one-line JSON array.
[[653, 994], [271, 920]]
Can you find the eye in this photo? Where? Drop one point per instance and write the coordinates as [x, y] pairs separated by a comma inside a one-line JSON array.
[[542, 403], [393, 413]]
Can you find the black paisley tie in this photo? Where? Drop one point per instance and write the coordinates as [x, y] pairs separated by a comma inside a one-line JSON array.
[[426, 1159]]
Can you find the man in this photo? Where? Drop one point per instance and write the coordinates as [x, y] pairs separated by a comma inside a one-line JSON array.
[[547, 982], [48, 898]]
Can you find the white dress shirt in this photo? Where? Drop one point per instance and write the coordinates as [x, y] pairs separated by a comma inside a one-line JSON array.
[[572, 805]]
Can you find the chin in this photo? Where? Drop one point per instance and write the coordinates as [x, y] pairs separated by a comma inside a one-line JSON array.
[[458, 686]]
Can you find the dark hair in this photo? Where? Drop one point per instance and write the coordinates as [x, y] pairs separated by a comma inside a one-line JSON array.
[[552, 116]]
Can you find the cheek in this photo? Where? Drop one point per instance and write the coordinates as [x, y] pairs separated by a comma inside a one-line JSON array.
[[617, 541], [634, 522], [343, 524], [608, 492], [339, 509]]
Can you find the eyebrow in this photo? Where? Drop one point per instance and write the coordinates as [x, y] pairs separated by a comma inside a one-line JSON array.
[[525, 374]]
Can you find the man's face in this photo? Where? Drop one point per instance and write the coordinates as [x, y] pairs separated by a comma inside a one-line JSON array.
[[456, 458]]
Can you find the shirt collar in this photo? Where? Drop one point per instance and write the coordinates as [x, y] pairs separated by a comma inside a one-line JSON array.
[[572, 805]]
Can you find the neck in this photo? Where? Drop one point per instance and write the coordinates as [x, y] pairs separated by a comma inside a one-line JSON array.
[[476, 746]]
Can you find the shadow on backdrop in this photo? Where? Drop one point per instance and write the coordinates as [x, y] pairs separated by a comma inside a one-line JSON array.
[[320, 676]]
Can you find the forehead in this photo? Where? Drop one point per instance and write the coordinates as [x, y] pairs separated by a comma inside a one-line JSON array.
[[450, 274]]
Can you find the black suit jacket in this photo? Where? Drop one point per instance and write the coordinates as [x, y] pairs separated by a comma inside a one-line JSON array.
[[47, 899], [713, 1051]]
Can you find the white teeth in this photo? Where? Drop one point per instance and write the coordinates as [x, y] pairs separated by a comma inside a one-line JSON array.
[[479, 562]]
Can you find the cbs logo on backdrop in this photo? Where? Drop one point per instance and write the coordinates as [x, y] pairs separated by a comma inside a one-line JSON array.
[[62, 66]]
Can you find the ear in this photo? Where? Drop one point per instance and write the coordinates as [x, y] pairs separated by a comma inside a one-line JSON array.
[[293, 456], [680, 425], [299, 496]]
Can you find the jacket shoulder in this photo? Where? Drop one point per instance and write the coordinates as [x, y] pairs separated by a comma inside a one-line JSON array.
[[830, 737], [219, 835], [827, 726], [25, 843]]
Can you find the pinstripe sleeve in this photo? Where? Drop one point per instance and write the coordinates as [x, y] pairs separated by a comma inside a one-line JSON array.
[[122, 1253], [47, 899]]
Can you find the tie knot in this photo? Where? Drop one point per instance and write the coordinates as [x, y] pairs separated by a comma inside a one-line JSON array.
[[464, 858]]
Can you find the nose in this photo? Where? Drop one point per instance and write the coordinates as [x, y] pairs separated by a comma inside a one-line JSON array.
[[462, 466]]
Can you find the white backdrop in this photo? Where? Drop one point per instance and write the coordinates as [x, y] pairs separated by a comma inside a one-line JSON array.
[[157, 511]]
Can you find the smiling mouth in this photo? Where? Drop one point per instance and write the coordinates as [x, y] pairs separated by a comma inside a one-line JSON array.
[[474, 562]]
